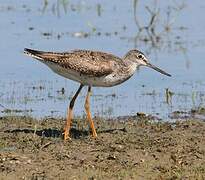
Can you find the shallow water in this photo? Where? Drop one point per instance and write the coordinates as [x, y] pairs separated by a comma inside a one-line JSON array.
[[28, 87]]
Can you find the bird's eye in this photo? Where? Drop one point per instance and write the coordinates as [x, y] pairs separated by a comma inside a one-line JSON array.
[[140, 56]]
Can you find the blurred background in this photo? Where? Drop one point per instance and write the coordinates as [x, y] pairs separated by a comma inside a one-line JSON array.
[[171, 33]]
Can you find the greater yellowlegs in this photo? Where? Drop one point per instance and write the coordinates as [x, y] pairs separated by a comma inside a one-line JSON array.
[[91, 68]]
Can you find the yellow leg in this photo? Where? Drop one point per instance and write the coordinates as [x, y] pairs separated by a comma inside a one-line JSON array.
[[70, 114], [87, 109]]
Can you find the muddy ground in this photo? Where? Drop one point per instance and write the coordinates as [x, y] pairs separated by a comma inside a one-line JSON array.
[[129, 148]]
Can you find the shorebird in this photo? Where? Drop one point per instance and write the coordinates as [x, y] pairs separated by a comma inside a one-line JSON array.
[[91, 68]]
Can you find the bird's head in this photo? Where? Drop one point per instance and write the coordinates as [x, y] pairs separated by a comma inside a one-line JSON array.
[[136, 56]]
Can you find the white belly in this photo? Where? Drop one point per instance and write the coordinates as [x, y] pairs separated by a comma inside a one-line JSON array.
[[104, 81]]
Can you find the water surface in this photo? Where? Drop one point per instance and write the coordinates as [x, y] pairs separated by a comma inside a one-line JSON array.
[[175, 42]]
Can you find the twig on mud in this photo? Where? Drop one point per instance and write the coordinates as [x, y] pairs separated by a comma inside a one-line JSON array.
[[111, 130], [46, 145]]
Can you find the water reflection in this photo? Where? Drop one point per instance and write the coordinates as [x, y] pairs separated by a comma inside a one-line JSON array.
[[56, 6], [158, 30]]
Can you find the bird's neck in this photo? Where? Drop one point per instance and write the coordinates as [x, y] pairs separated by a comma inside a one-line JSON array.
[[128, 62], [131, 66]]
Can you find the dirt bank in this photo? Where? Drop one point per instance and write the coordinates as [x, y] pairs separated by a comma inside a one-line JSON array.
[[131, 148]]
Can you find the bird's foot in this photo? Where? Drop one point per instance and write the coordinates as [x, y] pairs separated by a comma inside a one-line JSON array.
[[66, 135], [94, 134]]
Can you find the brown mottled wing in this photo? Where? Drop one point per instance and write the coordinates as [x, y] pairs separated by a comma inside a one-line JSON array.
[[89, 62], [92, 63]]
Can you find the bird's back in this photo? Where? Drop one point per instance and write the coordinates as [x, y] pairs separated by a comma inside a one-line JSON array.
[[93, 63]]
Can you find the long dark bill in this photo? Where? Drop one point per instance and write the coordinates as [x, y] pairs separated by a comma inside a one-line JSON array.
[[158, 69]]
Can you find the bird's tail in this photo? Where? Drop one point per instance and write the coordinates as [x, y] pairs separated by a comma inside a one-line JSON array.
[[42, 55]]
